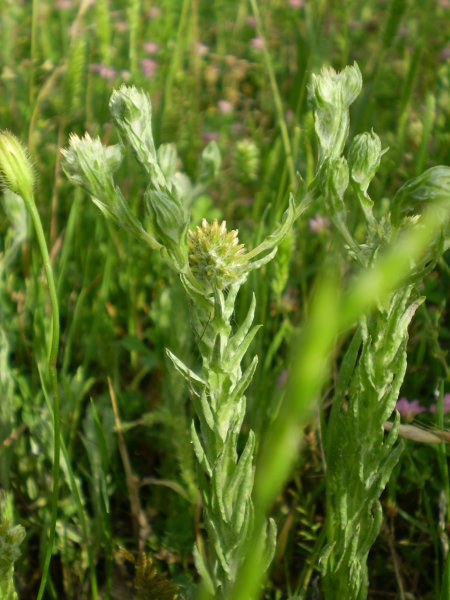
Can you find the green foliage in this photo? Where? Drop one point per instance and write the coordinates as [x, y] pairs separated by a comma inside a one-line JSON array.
[[230, 72], [11, 537]]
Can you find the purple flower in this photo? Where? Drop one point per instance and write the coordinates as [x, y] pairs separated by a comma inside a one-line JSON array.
[[446, 405], [257, 43], [210, 136], [104, 71], [409, 409], [151, 47], [148, 67]]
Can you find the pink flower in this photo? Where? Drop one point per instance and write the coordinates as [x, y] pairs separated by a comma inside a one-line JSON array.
[[296, 3], [318, 223], [151, 47], [104, 71], [225, 107], [251, 21], [409, 409], [148, 67], [257, 43], [63, 4]]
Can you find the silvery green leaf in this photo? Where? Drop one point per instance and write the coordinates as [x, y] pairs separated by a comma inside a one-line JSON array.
[[182, 188], [220, 547], [238, 337], [240, 486], [167, 159], [337, 178], [211, 162], [170, 222], [234, 353], [364, 157], [202, 569], [270, 542], [238, 390], [185, 371], [351, 79], [331, 94], [199, 451], [278, 234], [430, 188], [131, 111]]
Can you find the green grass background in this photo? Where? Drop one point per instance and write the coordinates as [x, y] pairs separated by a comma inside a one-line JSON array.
[[121, 307]]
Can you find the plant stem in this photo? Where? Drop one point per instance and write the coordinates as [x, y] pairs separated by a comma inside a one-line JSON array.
[[52, 360]]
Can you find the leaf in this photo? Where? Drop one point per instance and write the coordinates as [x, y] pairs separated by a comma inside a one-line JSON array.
[[238, 494], [189, 375]]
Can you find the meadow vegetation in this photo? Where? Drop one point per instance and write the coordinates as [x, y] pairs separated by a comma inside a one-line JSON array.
[[223, 299]]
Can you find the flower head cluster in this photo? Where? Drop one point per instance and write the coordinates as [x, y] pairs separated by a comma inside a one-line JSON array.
[[215, 255]]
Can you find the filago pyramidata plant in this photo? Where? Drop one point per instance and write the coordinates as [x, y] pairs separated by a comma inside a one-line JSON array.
[[360, 455], [212, 265]]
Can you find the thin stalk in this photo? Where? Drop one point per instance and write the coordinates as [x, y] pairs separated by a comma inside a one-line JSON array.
[[276, 98], [52, 360], [33, 51]]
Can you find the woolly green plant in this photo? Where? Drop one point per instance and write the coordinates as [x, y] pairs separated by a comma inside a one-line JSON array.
[[212, 266], [360, 455]]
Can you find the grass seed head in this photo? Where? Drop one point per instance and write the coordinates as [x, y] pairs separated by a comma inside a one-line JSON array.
[[16, 170]]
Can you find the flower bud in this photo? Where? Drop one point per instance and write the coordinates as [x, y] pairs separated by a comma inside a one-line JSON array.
[[215, 255], [338, 177], [364, 158], [90, 164], [170, 222], [331, 94], [131, 110], [16, 171], [246, 161], [167, 159]]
